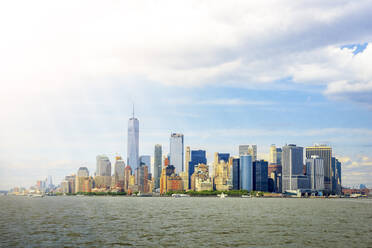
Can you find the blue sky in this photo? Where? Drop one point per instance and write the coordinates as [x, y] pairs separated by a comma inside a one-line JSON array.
[[222, 73]]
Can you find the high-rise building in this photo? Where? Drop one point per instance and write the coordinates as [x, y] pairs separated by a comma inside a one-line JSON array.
[[219, 157], [200, 180], [83, 172], [292, 168], [273, 156], [336, 178], [221, 177], [176, 151], [80, 180], [197, 157], [248, 150], [71, 180], [127, 177], [324, 152], [279, 156], [185, 175], [157, 165], [146, 160], [246, 172], [142, 178], [119, 172], [315, 172], [103, 172], [236, 173], [133, 143], [260, 177], [103, 166]]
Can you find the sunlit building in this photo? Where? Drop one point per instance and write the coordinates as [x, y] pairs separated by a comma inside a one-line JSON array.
[[196, 157], [133, 143], [177, 151], [248, 150], [200, 179], [221, 179]]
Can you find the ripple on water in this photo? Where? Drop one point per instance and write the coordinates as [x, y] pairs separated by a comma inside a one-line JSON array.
[[185, 222]]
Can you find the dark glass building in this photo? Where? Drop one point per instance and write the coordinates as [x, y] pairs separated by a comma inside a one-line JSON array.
[[260, 178], [197, 157], [223, 156], [236, 173]]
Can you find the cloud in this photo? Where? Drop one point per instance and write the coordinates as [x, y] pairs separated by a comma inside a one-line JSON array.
[[64, 65], [356, 171]]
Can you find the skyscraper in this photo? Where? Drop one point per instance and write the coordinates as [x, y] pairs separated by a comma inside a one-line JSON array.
[[119, 172], [103, 172], [157, 165], [273, 156], [103, 166], [83, 172], [133, 143], [146, 160], [292, 168], [336, 176], [260, 177], [246, 172], [176, 151], [324, 152], [248, 150], [236, 173], [315, 172], [197, 157]]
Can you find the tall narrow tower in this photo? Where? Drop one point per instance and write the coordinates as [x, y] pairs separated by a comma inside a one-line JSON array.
[[133, 142], [176, 151]]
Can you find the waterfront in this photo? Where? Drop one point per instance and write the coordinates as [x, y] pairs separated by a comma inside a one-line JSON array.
[[184, 222]]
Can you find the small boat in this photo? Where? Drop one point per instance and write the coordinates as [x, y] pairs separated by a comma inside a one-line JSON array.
[[222, 195], [180, 195], [36, 196]]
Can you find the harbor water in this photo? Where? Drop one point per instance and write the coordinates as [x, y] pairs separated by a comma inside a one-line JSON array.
[[101, 221]]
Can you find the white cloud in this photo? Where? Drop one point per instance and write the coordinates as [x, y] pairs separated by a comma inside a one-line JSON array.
[[55, 54], [356, 170]]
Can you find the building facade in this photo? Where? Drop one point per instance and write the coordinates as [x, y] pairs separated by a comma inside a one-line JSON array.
[[197, 157], [292, 167], [119, 172], [315, 172], [103, 172], [260, 176], [236, 173], [248, 150], [133, 143], [157, 165], [246, 172], [177, 151], [324, 152]]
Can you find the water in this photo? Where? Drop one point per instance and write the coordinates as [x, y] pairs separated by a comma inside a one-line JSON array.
[[184, 222]]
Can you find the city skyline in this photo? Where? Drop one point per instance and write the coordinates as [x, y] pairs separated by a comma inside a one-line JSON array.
[[218, 78]]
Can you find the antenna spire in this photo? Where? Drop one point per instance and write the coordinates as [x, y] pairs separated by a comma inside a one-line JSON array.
[[133, 110]]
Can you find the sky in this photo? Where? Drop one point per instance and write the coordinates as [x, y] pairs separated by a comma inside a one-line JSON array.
[[223, 73]]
